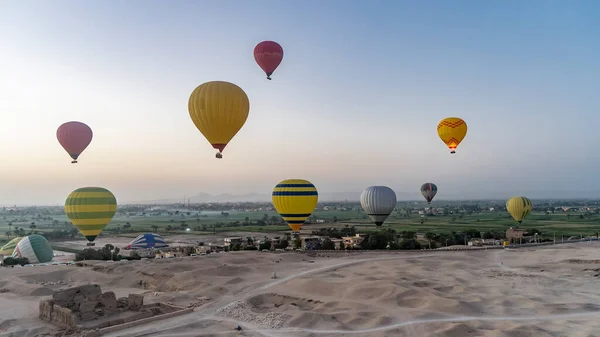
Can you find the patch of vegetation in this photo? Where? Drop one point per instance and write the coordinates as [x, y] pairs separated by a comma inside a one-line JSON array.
[[104, 254], [13, 261]]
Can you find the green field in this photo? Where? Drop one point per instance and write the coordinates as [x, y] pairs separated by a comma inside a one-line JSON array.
[[207, 222], [548, 225]]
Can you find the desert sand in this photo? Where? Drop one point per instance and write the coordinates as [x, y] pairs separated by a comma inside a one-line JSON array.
[[541, 292]]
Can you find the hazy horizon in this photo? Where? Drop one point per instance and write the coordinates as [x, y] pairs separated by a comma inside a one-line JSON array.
[[323, 197], [355, 102]]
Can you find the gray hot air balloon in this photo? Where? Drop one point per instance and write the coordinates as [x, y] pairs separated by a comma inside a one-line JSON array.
[[378, 202]]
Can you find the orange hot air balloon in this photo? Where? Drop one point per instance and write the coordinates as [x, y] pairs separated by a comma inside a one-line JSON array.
[[452, 131]]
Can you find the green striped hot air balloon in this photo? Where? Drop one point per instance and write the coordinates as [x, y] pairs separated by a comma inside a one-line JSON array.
[[9, 247], [90, 209], [35, 248]]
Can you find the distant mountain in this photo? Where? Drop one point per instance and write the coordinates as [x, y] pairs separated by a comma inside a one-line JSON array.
[[255, 197], [402, 196]]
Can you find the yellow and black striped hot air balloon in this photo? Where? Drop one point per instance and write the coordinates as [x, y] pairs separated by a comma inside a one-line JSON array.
[[519, 207], [90, 209], [295, 200], [452, 131]]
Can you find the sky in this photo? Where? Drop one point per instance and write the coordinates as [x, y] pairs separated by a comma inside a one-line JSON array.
[[355, 102]]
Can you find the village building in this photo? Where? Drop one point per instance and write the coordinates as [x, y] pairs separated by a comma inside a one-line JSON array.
[[353, 242]]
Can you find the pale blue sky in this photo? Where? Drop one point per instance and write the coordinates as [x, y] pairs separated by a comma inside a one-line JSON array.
[[354, 103]]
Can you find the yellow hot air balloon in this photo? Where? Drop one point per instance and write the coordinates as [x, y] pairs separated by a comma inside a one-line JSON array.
[[90, 209], [452, 131], [295, 200], [519, 207], [219, 110]]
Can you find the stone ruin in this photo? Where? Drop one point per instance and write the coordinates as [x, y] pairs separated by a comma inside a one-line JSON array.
[[70, 307], [88, 308]]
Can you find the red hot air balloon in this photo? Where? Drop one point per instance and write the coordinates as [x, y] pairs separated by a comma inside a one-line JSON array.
[[268, 55], [74, 137]]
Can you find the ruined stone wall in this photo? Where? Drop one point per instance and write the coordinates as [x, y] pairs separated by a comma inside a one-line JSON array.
[[56, 314], [71, 306]]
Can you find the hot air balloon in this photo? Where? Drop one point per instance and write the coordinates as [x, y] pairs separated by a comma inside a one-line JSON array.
[[219, 110], [429, 190], [74, 137], [90, 209], [519, 207], [35, 248], [452, 131], [148, 240], [9, 247], [295, 200], [268, 55], [378, 202]]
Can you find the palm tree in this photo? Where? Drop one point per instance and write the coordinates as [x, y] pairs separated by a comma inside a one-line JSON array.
[[430, 236]]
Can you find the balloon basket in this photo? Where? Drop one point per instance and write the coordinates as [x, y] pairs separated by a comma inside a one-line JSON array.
[[91, 244], [74, 162], [219, 155]]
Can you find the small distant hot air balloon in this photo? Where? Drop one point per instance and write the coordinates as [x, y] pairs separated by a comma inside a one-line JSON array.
[[452, 131], [428, 190], [219, 110], [90, 209], [268, 55], [74, 137], [519, 207], [295, 200], [378, 202]]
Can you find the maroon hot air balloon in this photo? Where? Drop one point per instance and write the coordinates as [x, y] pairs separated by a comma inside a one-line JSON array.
[[74, 138], [268, 55]]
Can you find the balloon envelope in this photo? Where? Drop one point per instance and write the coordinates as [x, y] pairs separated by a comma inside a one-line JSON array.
[[35, 248], [90, 209], [10, 246], [378, 202], [295, 200], [219, 110], [428, 190], [519, 207], [452, 131], [74, 137], [268, 55], [148, 240]]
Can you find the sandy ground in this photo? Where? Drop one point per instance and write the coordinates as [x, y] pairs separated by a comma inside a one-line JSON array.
[[541, 292]]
